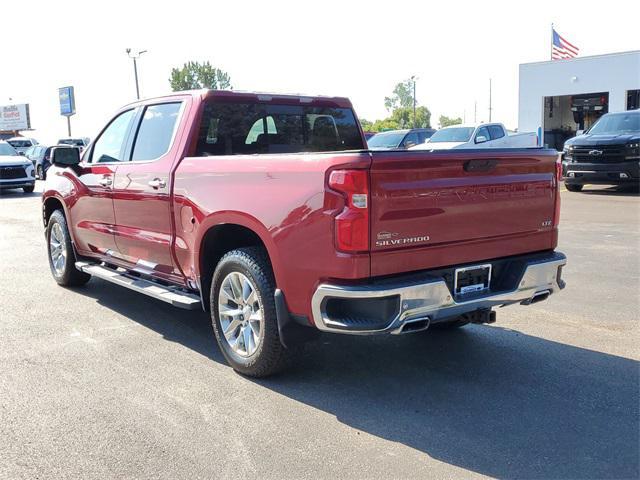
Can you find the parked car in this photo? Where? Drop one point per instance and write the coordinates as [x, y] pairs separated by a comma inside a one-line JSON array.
[[270, 212], [484, 135], [16, 171], [80, 142], [399, 139], [22, 144], [40, 156], [608, 153]]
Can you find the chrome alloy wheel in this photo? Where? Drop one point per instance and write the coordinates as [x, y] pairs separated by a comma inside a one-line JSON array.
[[241, 314], [57, 249]]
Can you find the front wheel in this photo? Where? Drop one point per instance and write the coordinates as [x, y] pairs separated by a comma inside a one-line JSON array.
[[243, 313], [574, 188], [62, 258], [28, 189]]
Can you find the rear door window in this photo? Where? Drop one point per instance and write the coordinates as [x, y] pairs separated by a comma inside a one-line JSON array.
[[250, 128], [496, 132], [156, 131]]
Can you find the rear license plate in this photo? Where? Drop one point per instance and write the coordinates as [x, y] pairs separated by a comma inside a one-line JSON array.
[[472, 279]]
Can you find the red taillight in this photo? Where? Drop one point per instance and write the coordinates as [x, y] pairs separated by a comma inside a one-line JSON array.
[[352, 224], [556, 214]]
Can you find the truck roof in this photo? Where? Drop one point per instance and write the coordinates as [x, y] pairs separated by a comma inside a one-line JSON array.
[[262, 97]]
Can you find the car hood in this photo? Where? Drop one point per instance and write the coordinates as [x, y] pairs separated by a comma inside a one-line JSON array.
[[13, 160], [437, 146], [603, 139]]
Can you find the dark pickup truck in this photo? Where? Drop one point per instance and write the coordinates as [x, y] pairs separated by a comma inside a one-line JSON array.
[[608, 153], [270, 212]]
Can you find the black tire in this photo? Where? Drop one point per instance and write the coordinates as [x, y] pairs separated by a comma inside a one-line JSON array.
[[69, 275], [270, 356], [573, 187], [28, 189], [450, 325]]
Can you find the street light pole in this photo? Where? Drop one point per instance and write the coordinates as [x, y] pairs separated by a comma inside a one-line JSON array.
[[135, 57], [413, 77]]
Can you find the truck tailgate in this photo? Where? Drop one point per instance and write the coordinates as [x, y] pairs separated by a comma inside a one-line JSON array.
[[433, 209]]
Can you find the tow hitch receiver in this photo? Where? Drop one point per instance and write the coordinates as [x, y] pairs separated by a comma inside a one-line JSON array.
[[484, 315]]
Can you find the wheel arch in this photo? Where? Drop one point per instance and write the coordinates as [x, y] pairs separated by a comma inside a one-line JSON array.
[[219, 237]]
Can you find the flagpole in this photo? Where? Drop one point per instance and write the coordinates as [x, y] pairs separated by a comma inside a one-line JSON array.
[[551, 45]]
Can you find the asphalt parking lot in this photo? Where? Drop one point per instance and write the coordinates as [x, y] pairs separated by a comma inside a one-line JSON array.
[[100, 382]]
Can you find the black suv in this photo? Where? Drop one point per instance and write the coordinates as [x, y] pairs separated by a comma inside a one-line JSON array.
[[608, 153]]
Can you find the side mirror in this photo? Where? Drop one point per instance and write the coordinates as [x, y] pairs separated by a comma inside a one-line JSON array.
[[21, 153], [65, 156], [409, 144], [579, 132], [481, 139]]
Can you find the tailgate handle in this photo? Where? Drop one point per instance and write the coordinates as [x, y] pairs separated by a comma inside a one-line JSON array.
[[480, 165]]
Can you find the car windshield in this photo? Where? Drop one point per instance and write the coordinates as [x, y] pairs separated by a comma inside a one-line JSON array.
[[19, 143], [617, 123], [386, 140], [455, 134], [6, 149]]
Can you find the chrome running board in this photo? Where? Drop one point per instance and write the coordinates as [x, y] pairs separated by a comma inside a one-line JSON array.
[[173, 295]]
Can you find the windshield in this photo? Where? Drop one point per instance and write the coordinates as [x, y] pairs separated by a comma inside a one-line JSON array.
[[617, 123], [71, 141], [6, 149], [455, 134], [386, 140]]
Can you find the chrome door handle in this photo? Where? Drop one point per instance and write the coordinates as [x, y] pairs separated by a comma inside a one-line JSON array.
[[106, 181], [157, 183]]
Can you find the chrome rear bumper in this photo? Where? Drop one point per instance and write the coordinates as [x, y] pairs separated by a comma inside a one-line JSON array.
[[431, 299]]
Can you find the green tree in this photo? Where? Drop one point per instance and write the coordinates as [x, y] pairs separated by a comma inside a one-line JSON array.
[[447, 122], [403, 117], [402, 96], [195, 75]]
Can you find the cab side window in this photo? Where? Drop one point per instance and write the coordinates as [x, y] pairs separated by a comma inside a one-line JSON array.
[[483, 132], [109, 147]]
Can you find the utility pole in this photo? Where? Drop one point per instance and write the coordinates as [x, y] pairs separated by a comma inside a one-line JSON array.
[[475, 112], [490, 100], [135, 57], [413, 77], [69, 125]]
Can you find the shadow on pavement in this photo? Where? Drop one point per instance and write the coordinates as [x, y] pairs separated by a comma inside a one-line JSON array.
[[621, 191], [13, 193], [487, 399]]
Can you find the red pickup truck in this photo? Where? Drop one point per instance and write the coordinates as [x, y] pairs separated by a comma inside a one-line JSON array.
[[269, 212]]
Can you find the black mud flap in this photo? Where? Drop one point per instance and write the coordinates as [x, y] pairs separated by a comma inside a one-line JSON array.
[[291, 329]]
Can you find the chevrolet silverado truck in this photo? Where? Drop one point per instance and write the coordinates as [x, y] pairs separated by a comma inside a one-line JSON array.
[[269, 212], [608, 153]]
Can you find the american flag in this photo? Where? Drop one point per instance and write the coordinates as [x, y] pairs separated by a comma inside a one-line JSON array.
[[561, 49]]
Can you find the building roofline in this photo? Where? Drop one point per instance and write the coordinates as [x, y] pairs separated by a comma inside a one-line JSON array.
[[578, 59]]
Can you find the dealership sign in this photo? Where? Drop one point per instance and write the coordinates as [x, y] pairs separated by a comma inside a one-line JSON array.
[[15, 117], [67, 101]]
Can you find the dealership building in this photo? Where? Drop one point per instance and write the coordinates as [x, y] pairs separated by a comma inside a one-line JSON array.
[[560, 97]]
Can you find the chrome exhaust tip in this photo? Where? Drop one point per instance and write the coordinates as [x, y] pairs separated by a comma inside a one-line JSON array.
[[415, 325]]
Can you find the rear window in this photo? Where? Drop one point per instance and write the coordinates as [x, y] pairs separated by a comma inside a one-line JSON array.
[[248, 128]]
